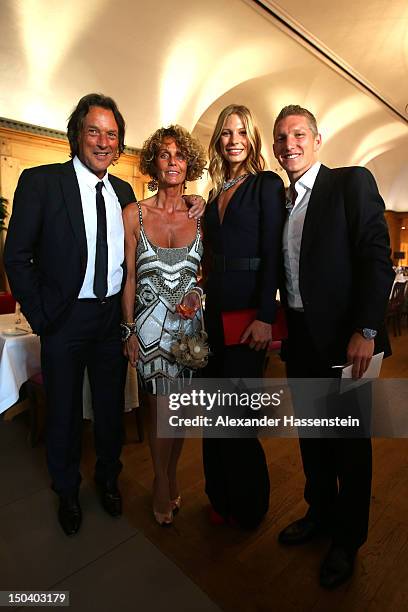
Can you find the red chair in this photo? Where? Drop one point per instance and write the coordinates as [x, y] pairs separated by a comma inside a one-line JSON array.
[[7, 303]]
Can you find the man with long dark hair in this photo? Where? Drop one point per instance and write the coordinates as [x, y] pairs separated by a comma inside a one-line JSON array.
[[64, 256]]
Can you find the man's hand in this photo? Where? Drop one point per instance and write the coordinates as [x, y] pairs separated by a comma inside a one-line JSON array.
[[359, 353], [260, 334], [131, 350], [196, 206]]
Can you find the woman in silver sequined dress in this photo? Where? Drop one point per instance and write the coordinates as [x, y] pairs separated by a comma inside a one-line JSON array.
[[163, 250]]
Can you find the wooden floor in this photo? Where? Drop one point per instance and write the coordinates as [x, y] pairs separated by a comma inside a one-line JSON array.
[[249, 571]]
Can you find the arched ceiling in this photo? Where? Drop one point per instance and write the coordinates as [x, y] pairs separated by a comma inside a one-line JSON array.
[[183, 62]]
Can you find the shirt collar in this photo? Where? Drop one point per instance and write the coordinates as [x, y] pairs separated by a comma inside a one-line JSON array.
[[87, 177], [303, 184], [307, 180]]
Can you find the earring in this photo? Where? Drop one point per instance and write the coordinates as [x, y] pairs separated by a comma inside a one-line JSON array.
[[153, 184]]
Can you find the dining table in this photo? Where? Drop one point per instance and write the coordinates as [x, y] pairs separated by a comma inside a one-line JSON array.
[[20, 359]]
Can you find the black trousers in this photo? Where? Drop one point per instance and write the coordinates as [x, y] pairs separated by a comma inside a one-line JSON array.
[[236, 472], [89, 338], [338, 470]]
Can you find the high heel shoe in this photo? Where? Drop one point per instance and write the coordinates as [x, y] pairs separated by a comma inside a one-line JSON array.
[[176, 504], [164, 519]]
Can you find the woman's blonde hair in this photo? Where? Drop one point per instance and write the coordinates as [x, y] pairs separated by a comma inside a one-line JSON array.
[[254, 163], [190, 147]]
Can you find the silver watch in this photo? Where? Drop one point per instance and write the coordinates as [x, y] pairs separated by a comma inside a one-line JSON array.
[[367, 333]]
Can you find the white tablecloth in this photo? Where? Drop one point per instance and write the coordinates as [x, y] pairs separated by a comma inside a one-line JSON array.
[[20, 359]]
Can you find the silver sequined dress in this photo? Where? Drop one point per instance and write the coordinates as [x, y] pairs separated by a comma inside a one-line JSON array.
[[164, 275]]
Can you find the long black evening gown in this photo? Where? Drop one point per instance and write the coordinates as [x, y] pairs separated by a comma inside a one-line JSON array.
[[237, 480]]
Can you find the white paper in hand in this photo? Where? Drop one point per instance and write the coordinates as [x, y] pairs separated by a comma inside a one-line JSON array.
[[373, 371]]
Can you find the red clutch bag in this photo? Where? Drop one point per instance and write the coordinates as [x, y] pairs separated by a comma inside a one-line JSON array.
[[235, 323]]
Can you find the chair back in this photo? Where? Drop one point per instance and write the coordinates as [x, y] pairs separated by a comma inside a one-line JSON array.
[[397, 296]]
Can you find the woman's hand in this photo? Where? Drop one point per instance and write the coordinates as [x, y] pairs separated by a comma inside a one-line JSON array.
[[259, 334], [131, 350], [189, 306], [196, 205]]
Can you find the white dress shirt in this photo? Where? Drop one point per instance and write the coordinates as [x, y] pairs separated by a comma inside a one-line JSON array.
[[292, 233], [114, 227]]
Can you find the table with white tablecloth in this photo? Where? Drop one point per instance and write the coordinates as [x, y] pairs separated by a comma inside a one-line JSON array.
[[20, 359]]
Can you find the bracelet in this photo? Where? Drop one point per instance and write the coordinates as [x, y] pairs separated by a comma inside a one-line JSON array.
[[127, 329]]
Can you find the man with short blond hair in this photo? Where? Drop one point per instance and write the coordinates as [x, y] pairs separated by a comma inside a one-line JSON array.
[[338, 276]]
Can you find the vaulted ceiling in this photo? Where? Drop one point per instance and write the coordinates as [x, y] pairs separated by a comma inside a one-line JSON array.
[[183, 62]]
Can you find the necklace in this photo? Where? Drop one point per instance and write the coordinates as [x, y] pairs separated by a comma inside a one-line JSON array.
[[228, 184]]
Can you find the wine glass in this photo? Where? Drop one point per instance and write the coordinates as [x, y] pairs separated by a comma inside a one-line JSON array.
[[190, 304]]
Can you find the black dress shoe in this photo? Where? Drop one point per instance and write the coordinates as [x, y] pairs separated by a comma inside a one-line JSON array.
[[301, 531], [337, 567], [69, 514], [111, 499]]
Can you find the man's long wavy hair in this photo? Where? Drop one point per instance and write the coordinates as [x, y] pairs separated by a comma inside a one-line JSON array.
[[218, 167], [76, 120]]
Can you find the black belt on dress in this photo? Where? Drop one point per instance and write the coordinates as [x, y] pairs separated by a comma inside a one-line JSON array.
[[220, 263]]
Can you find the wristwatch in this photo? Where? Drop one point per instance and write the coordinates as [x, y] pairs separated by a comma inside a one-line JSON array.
[[367, 333]]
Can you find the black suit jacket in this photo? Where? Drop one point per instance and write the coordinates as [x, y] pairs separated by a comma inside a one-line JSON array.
[[251, 228], [46, 250], [345, 272]]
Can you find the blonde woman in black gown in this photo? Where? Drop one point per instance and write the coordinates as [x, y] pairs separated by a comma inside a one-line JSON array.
[[242, 242]]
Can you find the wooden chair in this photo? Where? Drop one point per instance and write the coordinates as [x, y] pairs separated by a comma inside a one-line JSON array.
[[395, 305], [404, 309]]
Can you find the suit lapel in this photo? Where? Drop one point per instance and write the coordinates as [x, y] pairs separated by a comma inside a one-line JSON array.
[[116, 185], [318, 200], [72, 197]]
